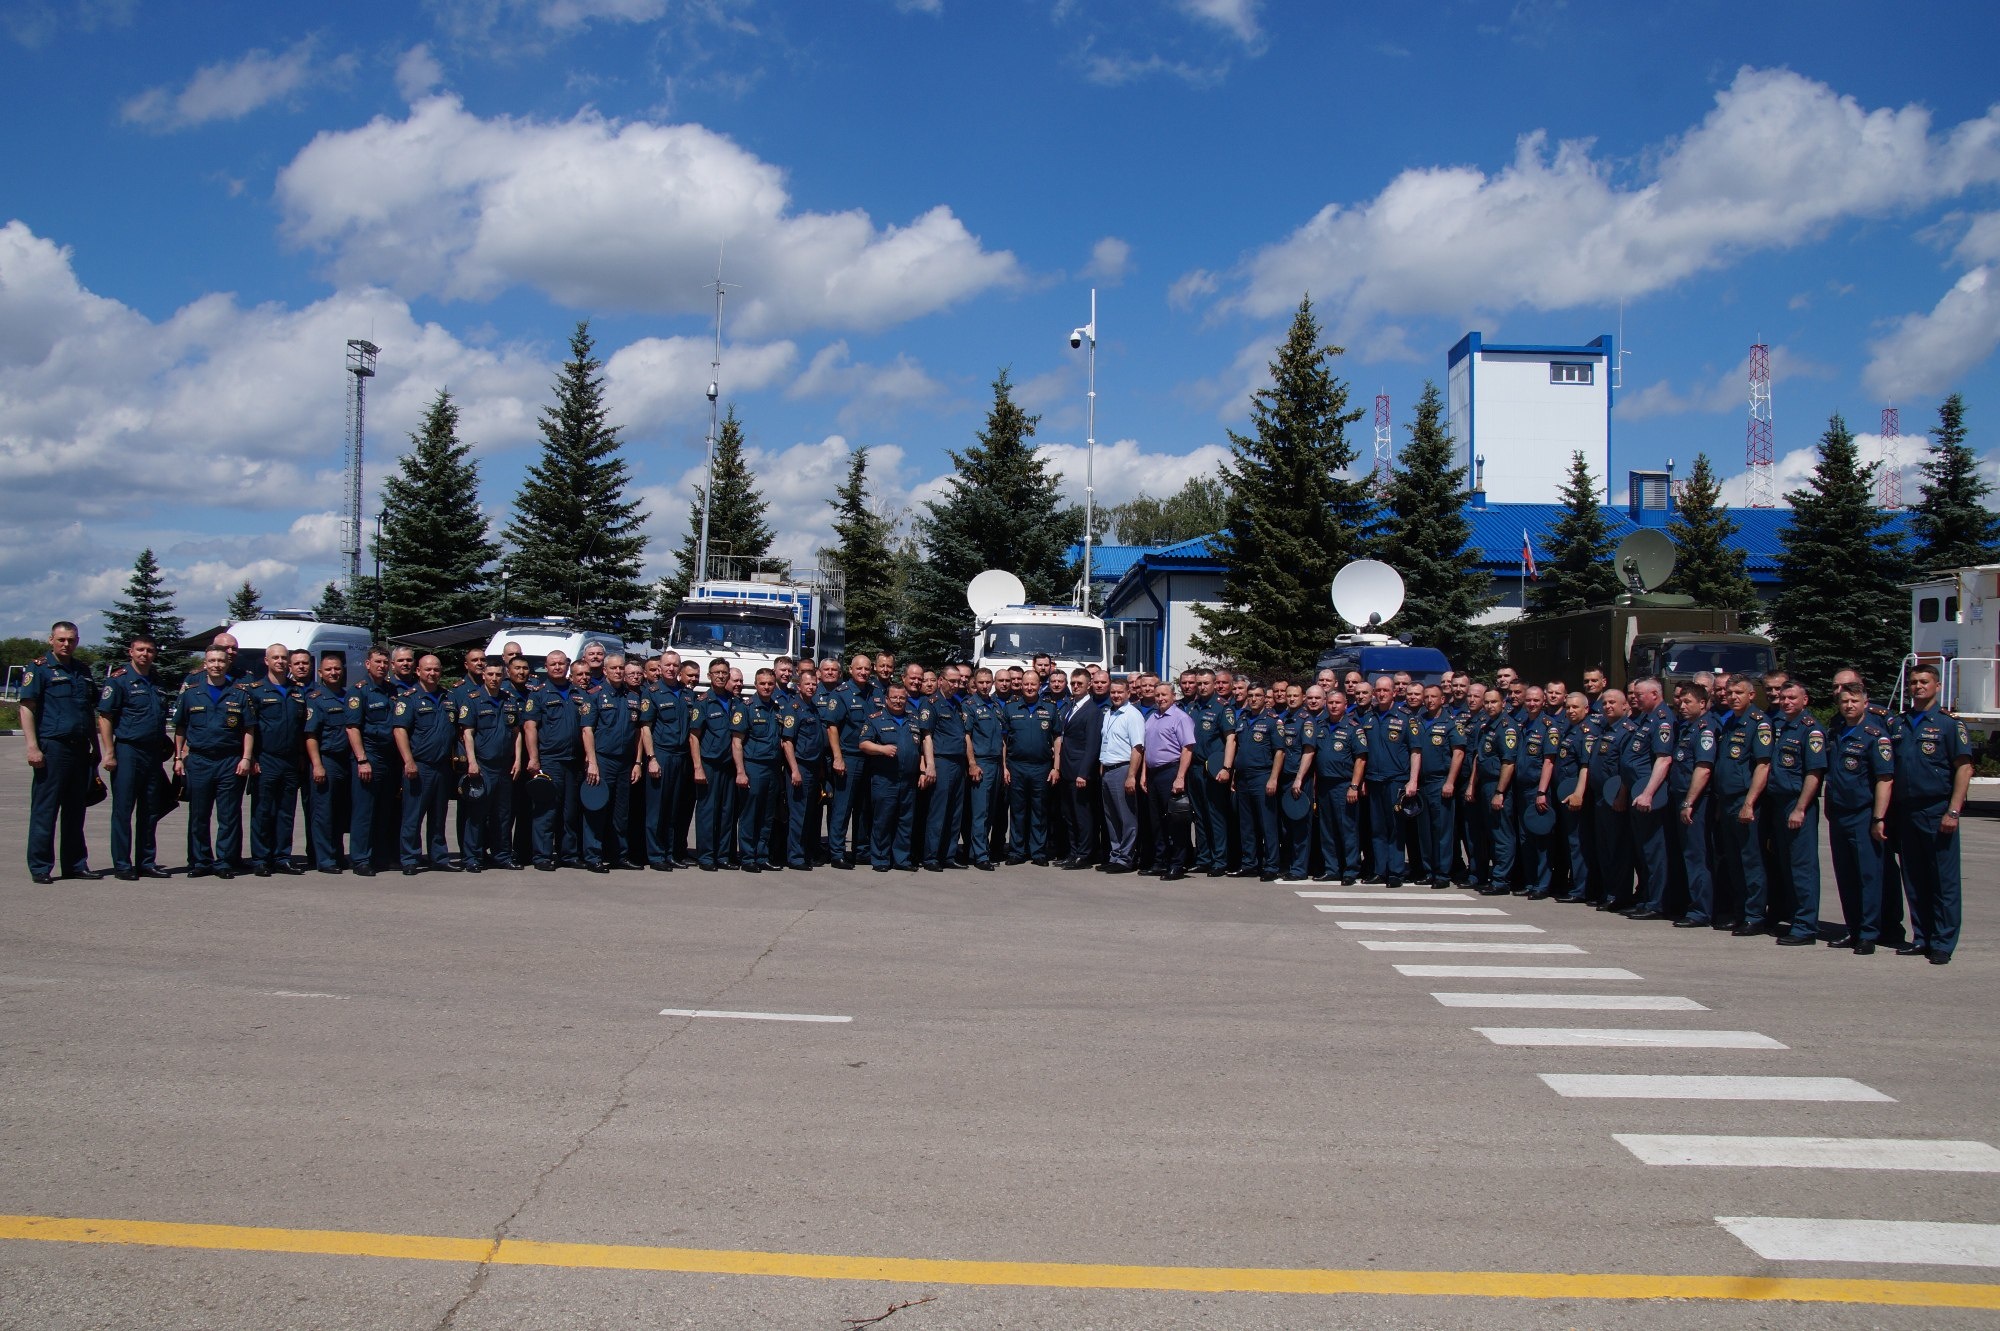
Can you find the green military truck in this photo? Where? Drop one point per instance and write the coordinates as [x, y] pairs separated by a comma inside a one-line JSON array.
[[1626, 641]]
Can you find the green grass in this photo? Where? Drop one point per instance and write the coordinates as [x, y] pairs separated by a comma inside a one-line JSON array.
[[10, 716]]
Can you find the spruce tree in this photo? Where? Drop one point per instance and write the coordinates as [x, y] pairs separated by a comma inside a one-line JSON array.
[[575, 539], [1001, 509], [145, 609], [332, 607], [1952, 524], [1706, 566], [863, 557], [1426, 538], [1294, 519], [364, 604], [247, 603], [1577, 574], [736, 523], [1838, 565], [436, 558]]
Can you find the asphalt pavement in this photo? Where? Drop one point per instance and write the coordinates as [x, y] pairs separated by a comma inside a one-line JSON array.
[[1057, 1100]]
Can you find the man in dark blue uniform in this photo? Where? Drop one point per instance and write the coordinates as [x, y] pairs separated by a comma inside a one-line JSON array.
[[425, 733], [757, 747], [665, 710], [808, 739], [58, 698], [893, 757], [1645, 764], [132, 710], [1697, 741], [489, 724], [1209, 783], [1340, 770], [556, 724], [1034, 733], [1494, 793], [1391, 762], [277, 763], [715, 772], [614, 726], [1791, 813], [522, 685], [1441, 748], [1742, 770], [1613, 878], [947, 757], [212, 739], [1933, 773], [986, 774], [329, 763], [846, 707], [1860, 781], [1535, 782], [1259, 754], [378, 768], [1576, 739]]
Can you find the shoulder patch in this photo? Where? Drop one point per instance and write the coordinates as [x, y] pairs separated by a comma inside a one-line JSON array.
[[1815, 741], [106, 694], [401, 707]]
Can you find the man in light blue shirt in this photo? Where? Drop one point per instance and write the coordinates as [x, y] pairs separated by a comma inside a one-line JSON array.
[[1121, 750]]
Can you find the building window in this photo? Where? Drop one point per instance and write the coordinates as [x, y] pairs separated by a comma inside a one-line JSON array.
[[1570, 372], [1927, 610]]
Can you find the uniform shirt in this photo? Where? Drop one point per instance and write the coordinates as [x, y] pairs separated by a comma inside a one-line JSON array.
[[1166, 734], [404, 687], [371, 709], [1033, 724], [1214, 723], [761, 724], [1123, 729], [987, 721], [1643, 740], [1301, 732], [885, 727], [213, 720], [1337, 746], [665, 710], [493, 721], [942, 717], [1260, 743], [805, 727], [65, 698], [614, 720], [280, 712], [561, 714], [711, 722], [1744, 742], [1575, 740], [1499, 745], [1860, 755], [326, 720], [428, 719], [137, 708], [1436, 738], [1390, 743], [1696, 743], [838, 708], [1798, 749], [1928, 746], [1607, 759]]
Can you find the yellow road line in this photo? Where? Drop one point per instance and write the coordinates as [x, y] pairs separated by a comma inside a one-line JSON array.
[[1045, 1275]]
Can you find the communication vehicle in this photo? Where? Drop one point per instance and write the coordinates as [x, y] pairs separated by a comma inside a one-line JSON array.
[[1955, 626], [299, 630], [772, 609], [1367, 594], [1008, 631]]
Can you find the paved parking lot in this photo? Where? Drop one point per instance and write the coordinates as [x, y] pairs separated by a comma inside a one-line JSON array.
[[1057, 1100]]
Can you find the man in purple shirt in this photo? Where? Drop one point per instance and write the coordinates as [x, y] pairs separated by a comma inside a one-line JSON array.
[[1169, 751]]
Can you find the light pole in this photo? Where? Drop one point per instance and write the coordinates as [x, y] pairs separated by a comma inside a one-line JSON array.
[[700, 572], [1078, 337]]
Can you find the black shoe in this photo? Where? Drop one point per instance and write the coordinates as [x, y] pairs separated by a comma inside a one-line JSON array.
[[1689, 924], [1940, 958], [1746, 931], [1493, 892], [332, 869], [1113, 866], [906, 868], [44, 879], [84, 875], [1042, 862], [475, 868], [986, 866], [932, 866], [546, 866], [446, 866], [291, 870], [840, 864], [126, 875], [1911, 950], [154, 871], [1440, 884], [1645, 913], [710, 868], [364, 871], [411, 871], [1267, 878], [1532, 896], [880, 868], [661, 866], [1347, 881], [1845, 940], [599, 867], [751, 866], [1797, 940], [262, 871], [225, 873], [1864, 949], [1173, 876], [510, 866], [1393, 883]]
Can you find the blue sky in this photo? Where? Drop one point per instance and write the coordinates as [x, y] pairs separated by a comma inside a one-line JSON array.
[[200, 204]]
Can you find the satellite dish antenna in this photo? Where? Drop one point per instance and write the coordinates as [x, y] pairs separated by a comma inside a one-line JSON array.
[[1367, 593], [1644, 560], [992, 589]]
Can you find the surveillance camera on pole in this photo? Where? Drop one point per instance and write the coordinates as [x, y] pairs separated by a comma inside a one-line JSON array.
[[1077, 337]]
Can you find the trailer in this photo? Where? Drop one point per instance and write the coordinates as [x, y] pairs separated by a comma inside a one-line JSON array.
[[1955, 626]]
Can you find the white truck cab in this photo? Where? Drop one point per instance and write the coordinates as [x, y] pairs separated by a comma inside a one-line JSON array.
[[1009, 631]]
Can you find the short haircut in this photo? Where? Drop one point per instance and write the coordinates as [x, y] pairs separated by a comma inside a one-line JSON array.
[[137, 638], [62, 624]]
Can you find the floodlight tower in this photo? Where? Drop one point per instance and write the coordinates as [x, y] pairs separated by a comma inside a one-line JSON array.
[[361, 355], [1757, 442], [1385, 447], [1889, 478]]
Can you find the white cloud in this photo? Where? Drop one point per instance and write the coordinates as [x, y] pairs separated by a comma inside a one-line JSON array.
[[1125, 468], [1236, 17], [1928, 353], [1114, 71], [657, 380], [1110, 261], [1779, 159], [417, 72], [576, 13], [1981, 243], [1191, 287], [1726, 391], [873, 392], [598, 213], [932, 7], [1794, 469], [225, 91]]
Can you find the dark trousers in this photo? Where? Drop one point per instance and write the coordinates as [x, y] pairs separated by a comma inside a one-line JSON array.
[[1496, 826], [1387, 827], [604, 829], [1739, 868], [1339, 829], [947, 811], [329, 806], [805, 804], [1931, 868], [1080, 810], [1796, 855], [378, 813], [1436, 831], [850, 830], [139, 799], [892, 804], [213, 791], [489, 820], [1649, 847], [426, 798], [715, 820], [1257, 823], [1691, 841], [277, 804], [523, 830], [985, 809], [1171, 850], [1573, 826], [1857, 870], [56, 802], [1028, 809], [756, 805], [559, 819], [666, 828], [1614, 855]]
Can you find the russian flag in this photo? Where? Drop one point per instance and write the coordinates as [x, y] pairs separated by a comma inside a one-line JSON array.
[[1528, 556]]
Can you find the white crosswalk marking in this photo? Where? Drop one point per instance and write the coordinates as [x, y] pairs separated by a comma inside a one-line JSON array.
[[1575, 1002], [1949, 1157], [1386, 896], [1519, 972], [1904, 1242], [1411, 910], [1624, 1086], [1593, 1037], [1537, 949], [1428, 926]]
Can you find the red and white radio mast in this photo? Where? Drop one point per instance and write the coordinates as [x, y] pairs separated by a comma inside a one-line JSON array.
[[1757, 441], [1889, 475], [1385, 447]]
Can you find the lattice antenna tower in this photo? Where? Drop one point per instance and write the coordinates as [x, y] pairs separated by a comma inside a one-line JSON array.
[[361, 355], [1385, 445], [1889, 476], [1757, 439]]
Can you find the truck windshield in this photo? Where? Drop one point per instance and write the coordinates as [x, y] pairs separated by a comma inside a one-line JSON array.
[[726, 633], [1737, 658], [1065, 642]]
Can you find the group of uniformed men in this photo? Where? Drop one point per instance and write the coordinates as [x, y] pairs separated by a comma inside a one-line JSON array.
[[1704, 810]]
